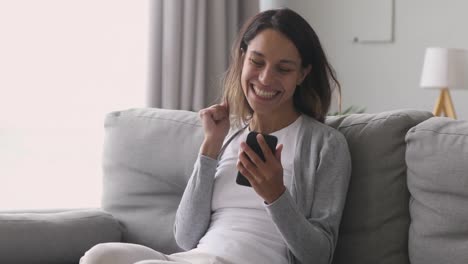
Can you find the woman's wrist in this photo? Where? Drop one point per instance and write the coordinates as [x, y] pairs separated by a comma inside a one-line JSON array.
[[211, 148], [276, 195]]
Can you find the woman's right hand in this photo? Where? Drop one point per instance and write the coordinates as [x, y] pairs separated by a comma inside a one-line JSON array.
[[215, 121]]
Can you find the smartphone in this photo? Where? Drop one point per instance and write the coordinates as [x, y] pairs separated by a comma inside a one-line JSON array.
[[253, 144]]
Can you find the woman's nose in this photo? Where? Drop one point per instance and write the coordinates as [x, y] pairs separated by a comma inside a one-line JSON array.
[[266, 76]]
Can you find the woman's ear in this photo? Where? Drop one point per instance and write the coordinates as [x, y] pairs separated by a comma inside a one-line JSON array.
[[304, 72]]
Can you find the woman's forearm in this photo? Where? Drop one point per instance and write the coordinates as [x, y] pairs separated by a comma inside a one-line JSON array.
[[194, 212]]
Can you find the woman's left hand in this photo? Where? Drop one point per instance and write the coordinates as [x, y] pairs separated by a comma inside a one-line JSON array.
[[266, 177]]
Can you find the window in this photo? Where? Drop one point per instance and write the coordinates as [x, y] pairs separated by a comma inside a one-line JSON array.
[[63, 66]]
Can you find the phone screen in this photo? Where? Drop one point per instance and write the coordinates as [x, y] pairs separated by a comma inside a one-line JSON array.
[[253, 144]]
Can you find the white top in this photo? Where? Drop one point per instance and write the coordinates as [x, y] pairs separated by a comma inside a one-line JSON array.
[[240, 230]]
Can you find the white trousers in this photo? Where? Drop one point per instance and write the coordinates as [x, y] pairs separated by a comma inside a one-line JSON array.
[[124, 253]]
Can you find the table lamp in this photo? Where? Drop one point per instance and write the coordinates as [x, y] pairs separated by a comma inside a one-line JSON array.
[[445, 69]]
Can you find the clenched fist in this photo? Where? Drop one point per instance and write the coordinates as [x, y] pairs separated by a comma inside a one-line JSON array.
[[215, 121]]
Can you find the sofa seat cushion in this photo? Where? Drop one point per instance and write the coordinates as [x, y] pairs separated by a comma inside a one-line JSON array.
[[437, 157]]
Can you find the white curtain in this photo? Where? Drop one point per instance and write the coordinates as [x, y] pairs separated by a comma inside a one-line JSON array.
[[190, 47]]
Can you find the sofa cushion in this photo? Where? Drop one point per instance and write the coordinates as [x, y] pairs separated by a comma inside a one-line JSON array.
[[437, 157], [374, 227], [148, 158], [54, 238]]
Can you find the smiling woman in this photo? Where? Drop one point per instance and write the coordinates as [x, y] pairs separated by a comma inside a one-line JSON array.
[[290, 210], [64, 64]]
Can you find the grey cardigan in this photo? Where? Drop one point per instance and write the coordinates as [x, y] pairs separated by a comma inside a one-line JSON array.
[[307, 215]]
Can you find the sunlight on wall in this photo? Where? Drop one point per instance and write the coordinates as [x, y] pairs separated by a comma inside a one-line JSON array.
[[63, 66]]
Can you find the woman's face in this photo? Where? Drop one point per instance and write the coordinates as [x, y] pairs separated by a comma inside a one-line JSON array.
[[270, 72]]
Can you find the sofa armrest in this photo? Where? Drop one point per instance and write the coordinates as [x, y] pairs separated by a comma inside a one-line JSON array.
[[54, 237]]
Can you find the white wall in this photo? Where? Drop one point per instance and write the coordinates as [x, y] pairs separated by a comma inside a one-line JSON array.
[[63, 65], [386, 76]]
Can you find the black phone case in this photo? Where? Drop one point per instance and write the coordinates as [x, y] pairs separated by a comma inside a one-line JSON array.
[[253, 144]]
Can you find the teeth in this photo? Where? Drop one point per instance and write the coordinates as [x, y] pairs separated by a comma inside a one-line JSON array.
[[264, 94]]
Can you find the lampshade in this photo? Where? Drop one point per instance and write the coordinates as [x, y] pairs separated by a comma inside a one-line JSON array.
[[445, 68]]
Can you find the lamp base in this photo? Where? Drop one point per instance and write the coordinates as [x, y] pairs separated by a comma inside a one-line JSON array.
[[444, 105]]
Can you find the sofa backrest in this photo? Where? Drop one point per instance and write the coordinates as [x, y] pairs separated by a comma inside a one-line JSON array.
[[149, 155], [148, 158], [437, 157], [374, 227]]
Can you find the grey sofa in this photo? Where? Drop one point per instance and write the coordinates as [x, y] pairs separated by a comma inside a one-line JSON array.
[[407, 200]]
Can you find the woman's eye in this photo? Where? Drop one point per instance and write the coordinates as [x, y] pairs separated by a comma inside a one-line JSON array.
[[256, 63], [283, 70]]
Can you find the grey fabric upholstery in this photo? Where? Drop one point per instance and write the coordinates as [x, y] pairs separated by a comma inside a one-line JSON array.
[[437, 157], [62, 237], [374, 227], [148, 157]]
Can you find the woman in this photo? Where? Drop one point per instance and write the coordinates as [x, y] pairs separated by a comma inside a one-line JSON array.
[[279, 83]]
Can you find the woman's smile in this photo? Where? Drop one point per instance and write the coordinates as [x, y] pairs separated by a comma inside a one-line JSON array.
[[263, 94]]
